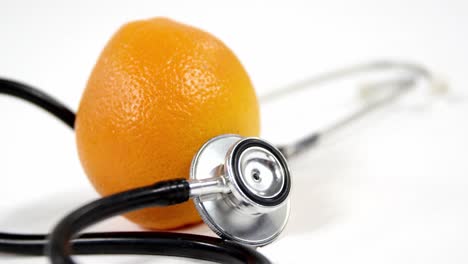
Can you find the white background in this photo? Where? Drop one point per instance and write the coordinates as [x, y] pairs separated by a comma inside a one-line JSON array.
[[391, 191]]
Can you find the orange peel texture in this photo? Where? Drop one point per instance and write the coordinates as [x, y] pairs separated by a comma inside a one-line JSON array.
[[158, 92]]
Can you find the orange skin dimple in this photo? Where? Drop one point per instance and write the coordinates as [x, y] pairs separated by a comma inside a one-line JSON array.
[[158, 91]]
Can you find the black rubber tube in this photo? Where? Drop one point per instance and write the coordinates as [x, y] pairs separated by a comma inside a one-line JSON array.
[[161, 194], [139, 243], [38, 98]]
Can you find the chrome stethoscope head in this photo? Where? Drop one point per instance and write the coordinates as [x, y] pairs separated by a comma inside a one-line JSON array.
[[240, 187]]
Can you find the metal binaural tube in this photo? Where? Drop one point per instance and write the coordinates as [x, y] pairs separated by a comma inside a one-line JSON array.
[[399, 87]]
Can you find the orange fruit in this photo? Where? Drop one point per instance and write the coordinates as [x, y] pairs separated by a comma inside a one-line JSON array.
[[159, 90]]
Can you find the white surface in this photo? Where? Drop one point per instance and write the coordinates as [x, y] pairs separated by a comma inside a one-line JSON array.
[[393, 191]]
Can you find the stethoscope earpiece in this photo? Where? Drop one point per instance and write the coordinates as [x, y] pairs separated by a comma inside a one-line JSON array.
[[240, 187]]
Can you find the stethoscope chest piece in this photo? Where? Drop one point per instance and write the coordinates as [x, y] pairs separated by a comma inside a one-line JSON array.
[[244, 186]]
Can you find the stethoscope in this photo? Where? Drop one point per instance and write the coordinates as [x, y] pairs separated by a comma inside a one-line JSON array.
[[240, 187]]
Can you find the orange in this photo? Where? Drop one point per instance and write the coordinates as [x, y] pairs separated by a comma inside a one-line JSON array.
[[159, 90]]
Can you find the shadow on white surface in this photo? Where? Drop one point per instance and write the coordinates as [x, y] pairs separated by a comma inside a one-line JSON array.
[[40, 215]]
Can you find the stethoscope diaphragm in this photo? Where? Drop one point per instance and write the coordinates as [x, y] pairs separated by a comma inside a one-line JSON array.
[[250, 203]]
